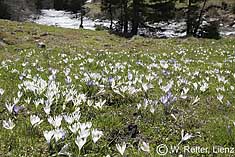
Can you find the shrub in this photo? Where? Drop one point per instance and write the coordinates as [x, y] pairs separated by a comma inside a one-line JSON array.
[[100, 28], [210, 30]]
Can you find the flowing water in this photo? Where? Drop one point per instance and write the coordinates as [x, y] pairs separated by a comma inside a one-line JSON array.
[[67, 19]]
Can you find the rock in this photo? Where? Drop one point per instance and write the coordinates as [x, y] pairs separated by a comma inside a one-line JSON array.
[[19, 30], [18, 49], [132, 130], [107, 45], [2, 44], [41, 45], [36, 37], [34, 33], [44, 34]]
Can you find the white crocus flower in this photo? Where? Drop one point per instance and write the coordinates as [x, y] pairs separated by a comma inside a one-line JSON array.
[[48, 135], [139, 106], [82, 97], [196, 100], [56, 121], [16, 100], [195, 85], [38, 102], [164, 64], [90, 102], [96, 135], [8, 124], [168, 86], [35, 120], [146, 103], [145, 147], [123, 89], [145, 87], [121, 149], [84, 133], [220, 97], [19, 94], [47, 109], [152, 109], [85, 129], [58, 134], [84, 126], [116, 90], [185, 137], [80, 142], [76, 115], [185, 90], [9, 107], [100, 104], [74, 128], [28, 100], [232, 88], [1, 91], [69, 119], [101, 91], [130, 76], [204, 87]]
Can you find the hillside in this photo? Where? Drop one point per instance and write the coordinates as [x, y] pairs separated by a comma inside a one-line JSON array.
[[18, 35], [90, 93]]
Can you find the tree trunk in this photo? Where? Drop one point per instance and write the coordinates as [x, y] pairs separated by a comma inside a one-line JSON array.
[[121, 19], [135, 17], [189, 19], [125, 17], [200, 18], [82, 14], [111, 16]]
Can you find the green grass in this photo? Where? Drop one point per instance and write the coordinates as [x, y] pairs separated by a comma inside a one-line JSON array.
[[209, 120]]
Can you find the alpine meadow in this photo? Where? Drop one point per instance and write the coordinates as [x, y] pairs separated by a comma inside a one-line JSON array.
[[113, 91]]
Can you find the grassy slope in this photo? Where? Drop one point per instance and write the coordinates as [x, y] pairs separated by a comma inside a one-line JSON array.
[[28, 35], [208, 117]]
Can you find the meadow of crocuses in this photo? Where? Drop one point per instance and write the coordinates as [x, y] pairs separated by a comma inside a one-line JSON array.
[[67, 102]]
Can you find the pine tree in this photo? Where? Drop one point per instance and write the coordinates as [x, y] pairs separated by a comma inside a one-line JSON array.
[[110, 7], [137, 6], [5, 10], [125, 16], [59, 4], [194, 16]]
